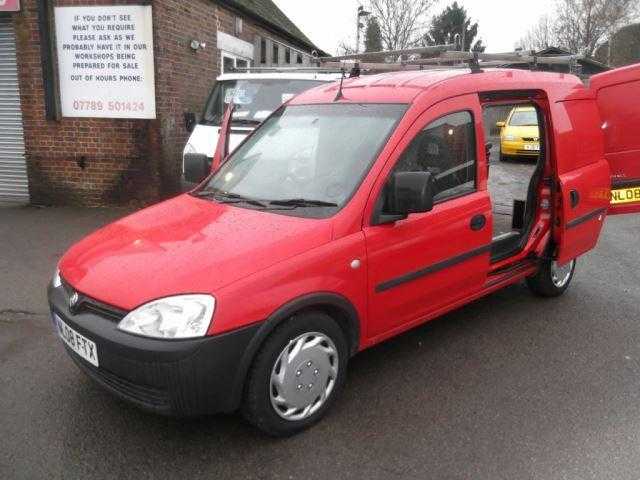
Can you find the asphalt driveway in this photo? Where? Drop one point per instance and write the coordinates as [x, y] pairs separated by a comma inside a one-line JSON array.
[[510, 387]]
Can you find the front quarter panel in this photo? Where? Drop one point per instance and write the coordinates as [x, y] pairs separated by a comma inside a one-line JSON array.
[[326, 269]]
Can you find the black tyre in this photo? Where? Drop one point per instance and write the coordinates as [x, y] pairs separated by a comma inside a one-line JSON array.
[[552, 280], [297, 375]]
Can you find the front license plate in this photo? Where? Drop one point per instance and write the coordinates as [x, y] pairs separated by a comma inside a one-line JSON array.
[[625, 195], [532, 146], [76, 342]]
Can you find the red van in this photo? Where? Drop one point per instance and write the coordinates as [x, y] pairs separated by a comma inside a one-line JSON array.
[[346, 218]]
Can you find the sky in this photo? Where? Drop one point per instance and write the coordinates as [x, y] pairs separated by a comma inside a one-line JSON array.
[[501, 22]]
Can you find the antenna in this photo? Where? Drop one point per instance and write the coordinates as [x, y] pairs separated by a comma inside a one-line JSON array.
[[339, 95]]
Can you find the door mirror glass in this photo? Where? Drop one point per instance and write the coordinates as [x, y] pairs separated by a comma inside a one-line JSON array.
[[190, 121], [500, 124]]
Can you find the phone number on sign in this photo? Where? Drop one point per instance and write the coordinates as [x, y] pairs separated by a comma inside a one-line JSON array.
[[110, 106]]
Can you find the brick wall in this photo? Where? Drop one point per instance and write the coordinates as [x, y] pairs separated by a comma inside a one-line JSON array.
[[114, 161]]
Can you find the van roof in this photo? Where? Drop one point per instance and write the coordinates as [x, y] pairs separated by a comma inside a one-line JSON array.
[[404, 87], [319, 76]]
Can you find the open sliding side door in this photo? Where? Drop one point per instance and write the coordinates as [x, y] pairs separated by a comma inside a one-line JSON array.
[[617, 94]]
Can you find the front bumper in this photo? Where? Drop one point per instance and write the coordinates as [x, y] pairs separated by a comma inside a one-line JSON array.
[[517, 148], [178, 377]]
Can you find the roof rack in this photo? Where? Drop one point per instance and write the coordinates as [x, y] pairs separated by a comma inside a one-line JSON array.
[[436, 57], [294, 69], [440, 57]]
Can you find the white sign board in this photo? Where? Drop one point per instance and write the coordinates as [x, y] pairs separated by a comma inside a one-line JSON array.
[[234, 45], [105, 61]]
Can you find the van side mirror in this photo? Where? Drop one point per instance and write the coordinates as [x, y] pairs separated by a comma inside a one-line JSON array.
[[500, 124], [196, 167], [190, 121], [407, 192]]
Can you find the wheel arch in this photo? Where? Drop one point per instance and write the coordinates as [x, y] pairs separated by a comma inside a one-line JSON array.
[[336, 306]]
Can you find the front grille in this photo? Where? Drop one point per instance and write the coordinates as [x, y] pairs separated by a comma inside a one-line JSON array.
[[530, 139], [91, 305]]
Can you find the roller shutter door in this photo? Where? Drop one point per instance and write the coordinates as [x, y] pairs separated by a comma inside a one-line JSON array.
[[14, 187]]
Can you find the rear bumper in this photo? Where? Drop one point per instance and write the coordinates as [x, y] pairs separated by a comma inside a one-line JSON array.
[[181, 377]]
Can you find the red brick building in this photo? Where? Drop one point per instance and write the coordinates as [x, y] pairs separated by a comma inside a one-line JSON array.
[[49, 158]]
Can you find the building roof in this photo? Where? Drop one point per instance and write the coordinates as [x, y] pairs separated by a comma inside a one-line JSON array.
[[267, 12], [557, 51]]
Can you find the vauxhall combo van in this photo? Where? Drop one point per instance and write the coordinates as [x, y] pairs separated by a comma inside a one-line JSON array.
[[353, 213]]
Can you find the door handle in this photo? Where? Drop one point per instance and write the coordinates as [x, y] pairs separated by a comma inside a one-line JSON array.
[[574, 196], [478, 222]]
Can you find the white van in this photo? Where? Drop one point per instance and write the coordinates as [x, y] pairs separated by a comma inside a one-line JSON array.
[[256, 96]]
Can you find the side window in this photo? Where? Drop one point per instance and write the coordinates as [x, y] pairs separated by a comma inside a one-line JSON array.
[[447, 149]]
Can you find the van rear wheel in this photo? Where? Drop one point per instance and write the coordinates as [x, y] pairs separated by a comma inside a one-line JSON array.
[[296, 375], [552, 279]]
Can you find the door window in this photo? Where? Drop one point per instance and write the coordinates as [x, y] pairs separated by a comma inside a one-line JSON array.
[[447, 149]]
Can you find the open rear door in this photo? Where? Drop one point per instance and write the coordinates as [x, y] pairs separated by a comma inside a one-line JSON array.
[[584, 179], [618, 97]]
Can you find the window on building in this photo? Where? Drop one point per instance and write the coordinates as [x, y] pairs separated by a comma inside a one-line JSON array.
[[237, 26], [228, 64], [287, 55], [447, 149], [276, 54], [299, 59], [231, 62], [263, 51]]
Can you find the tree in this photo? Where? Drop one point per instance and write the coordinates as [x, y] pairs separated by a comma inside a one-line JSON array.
[[402, 22], [373, 36], [452, 21], [622, 48], [582, 25], [539, 37], [344, 48]]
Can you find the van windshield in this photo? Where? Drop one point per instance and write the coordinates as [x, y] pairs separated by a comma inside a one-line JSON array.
[[306, 160], [524, 118], [254, 99]]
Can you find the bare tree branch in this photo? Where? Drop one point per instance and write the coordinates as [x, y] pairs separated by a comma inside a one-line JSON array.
[[541, 36], [344, 48], [582, 25], [402, 22]]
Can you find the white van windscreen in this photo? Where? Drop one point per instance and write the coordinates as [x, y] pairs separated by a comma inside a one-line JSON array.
[[254, 99]]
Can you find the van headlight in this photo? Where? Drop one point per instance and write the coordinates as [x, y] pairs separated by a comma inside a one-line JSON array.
[[189, 149], [510, 138], [178, 317]]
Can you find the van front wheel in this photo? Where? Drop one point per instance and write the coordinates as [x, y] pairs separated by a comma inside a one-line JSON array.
[[297, 375], [552, 279]]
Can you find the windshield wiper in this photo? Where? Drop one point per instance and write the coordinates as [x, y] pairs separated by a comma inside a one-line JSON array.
[[302, 202], [226, 197]]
